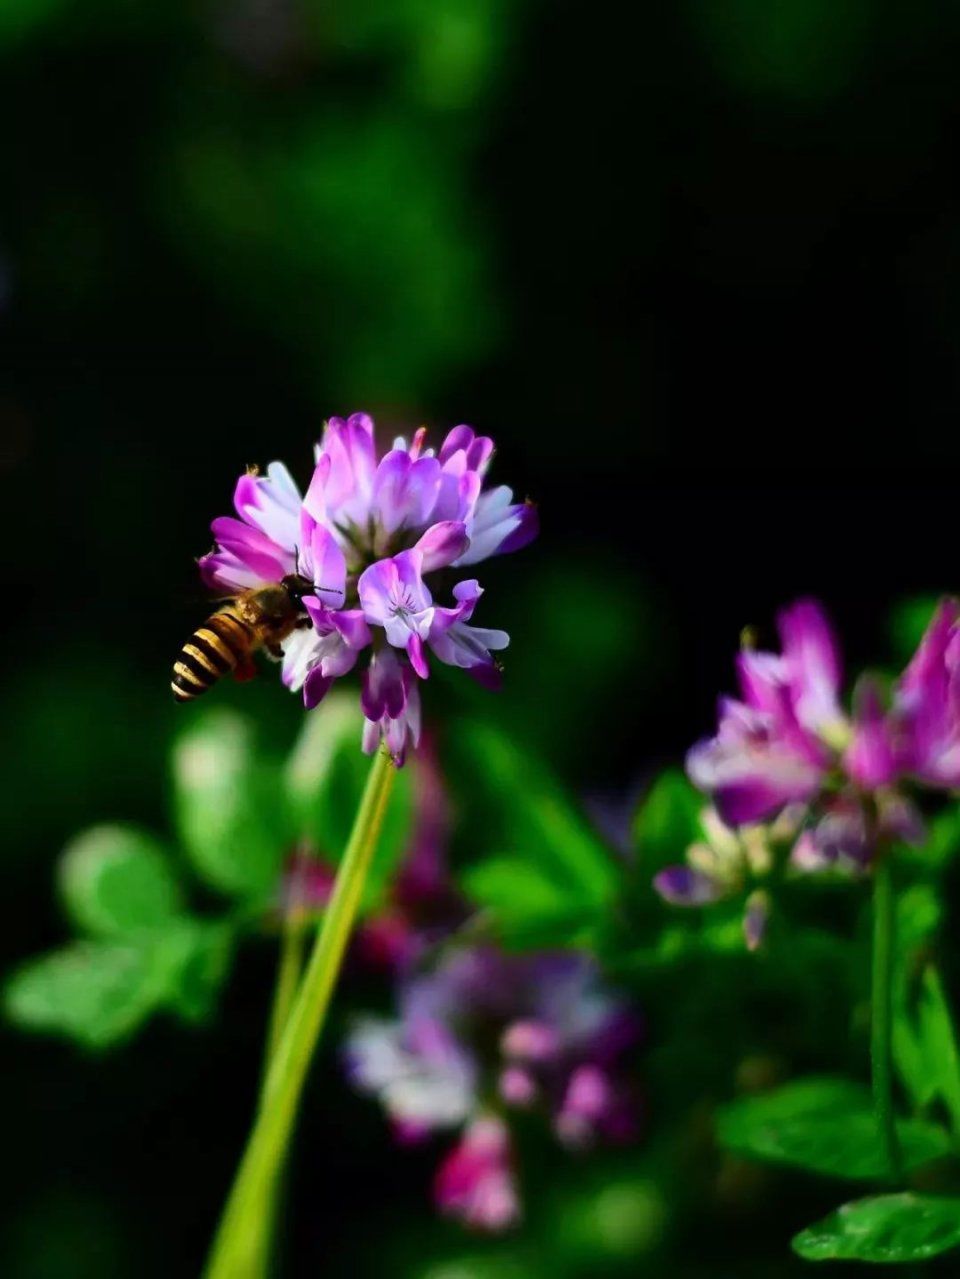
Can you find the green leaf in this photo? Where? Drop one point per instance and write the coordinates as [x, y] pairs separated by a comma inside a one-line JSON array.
[[925, 1046], [536, 817], [825, 1126], [325, 778], [97, 993], [529, 908], [667, 821], [884, 1228], [230, 806], [192, 960], [909, 619], [117, 880]]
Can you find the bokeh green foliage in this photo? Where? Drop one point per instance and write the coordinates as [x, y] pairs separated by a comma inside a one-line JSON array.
[[238, 814]]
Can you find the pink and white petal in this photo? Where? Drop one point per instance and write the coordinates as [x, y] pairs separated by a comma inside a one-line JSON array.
[[322, 562], [224, 571], [389, 500], [260, 553], [812, 655], [270, 503], [418, 659], [475, 1182], [375, 589], [442, 543], [499, 525], [349, 484], [457, 440], [750, 781], [353, 628], [301, 652]]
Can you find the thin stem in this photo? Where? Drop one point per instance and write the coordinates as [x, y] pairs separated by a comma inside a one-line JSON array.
[[289, 967], [881, 1027], [237, 1248]]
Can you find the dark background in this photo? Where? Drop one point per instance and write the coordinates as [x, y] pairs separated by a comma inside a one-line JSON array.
[[693, 266]]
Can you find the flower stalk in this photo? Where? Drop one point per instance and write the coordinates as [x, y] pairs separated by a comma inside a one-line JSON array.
[[881, 1022], [238, 1248]]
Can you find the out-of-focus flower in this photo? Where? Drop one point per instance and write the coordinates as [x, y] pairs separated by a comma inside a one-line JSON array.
[[724, 863], [362, 544], [788, 742], [773, 747], [485, 1033], [476, 1181]]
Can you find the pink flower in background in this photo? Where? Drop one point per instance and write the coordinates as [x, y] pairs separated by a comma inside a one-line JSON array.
[[788, 742], [362, 544], [484, 1034], [476, 1180], [773, 747]]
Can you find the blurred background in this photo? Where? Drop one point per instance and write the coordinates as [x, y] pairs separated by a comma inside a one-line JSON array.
[[693, 266]]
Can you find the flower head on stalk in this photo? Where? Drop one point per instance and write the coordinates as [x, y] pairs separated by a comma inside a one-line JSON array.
[[787, 741], [370, 538], [484, 1034]]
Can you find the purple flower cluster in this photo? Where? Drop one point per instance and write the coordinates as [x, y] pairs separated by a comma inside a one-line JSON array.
[[368, 534], [788, 743], [485, 1033]]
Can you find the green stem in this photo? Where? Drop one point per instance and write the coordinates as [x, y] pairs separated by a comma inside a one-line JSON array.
[[289, 968], [881, 1027], [238, 1246]]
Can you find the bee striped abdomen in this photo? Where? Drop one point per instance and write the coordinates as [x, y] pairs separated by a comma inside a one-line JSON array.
[[215, 648]]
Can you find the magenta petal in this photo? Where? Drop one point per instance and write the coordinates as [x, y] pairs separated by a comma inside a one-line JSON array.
[[352, 626], [417, 656], [526, 528], [479, 453], [871, 759], [389, 501], [811, 653], [350, 479], [375, 587], [442, 544], [475, 1182], [457, 440], [253, 548], [315, 688]]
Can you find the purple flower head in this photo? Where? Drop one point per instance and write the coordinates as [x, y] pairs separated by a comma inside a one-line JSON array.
[[535, 1031], [364, 539], [788, 741]]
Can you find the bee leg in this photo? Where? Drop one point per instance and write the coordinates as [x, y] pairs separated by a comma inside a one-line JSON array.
[[303, 623], [275, 651], [244, 670]]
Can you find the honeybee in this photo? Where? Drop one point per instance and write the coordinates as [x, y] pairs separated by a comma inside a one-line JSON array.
[[262, 617]]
